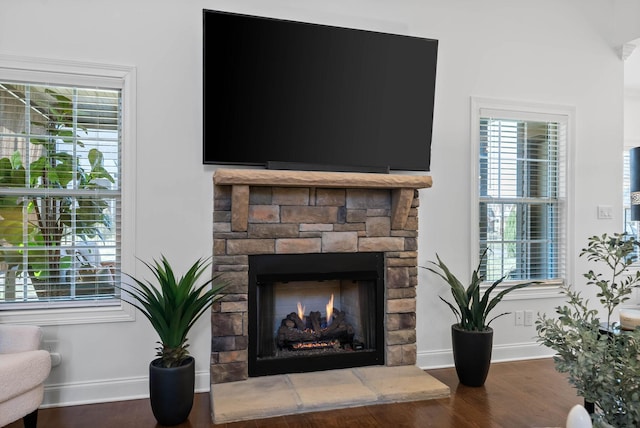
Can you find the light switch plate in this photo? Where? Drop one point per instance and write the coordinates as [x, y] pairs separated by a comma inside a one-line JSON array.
[[605, 212]]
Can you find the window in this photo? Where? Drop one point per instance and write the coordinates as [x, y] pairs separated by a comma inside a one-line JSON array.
[[630, 227], [521, 209], [60, 187]]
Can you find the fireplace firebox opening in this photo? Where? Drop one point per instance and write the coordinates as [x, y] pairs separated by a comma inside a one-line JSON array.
[[310, 312]]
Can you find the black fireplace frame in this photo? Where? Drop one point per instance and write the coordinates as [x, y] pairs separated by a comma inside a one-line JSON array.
[[269, 268]]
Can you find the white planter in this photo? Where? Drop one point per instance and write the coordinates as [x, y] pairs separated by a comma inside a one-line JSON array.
[[630, 317]]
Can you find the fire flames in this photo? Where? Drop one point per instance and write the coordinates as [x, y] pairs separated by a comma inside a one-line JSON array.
[[313, 331], [329, 311]]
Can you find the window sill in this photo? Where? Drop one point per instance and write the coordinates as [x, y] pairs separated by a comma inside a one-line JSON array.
[[67, 316], [547, 290]]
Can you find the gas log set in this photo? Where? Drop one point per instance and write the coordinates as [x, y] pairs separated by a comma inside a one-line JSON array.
[[300, 332]]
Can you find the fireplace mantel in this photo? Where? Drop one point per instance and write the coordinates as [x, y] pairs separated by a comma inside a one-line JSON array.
[[402, 187], [270, 177]]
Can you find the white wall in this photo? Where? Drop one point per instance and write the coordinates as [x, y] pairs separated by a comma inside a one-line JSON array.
[[533, 56], [548, 51], [632, 91], [632, 117], [627, 18]]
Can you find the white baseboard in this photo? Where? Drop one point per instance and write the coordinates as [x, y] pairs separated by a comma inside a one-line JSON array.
[[132, 388], [509, 352], [108, 390]]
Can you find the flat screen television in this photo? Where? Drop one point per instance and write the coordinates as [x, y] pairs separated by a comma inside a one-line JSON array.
[[281, 93]]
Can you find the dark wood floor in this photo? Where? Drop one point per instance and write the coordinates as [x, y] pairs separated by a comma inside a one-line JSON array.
[[516, 394]]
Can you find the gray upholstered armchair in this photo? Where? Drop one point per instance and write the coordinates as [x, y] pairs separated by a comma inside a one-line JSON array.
[[23, 370]]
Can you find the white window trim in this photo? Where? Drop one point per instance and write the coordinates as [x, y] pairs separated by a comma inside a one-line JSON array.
[[61, 72], [522, 110]]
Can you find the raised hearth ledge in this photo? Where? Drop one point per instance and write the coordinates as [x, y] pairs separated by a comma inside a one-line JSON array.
[[270, 396], [402, 186]]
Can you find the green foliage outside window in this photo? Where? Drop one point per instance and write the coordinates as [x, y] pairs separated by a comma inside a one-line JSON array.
[[38, 225]]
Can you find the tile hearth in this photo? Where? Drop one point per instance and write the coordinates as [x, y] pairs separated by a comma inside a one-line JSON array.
[[279, 395]]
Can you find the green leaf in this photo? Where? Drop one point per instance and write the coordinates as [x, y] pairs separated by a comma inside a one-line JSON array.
[[16, 160], [96, 158], [173, 306], [472, 304], [5, 170]]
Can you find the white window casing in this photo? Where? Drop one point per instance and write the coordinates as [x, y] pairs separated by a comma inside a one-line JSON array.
[[19, 73], [520, 180]]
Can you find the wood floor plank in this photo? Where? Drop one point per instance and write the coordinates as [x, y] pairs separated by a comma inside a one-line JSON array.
[[516, 394]]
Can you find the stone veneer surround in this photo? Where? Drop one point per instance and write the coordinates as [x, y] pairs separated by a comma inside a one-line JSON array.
[[292, 212]]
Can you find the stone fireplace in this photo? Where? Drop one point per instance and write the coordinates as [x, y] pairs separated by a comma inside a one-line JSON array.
[[263, 214], [266, 212]]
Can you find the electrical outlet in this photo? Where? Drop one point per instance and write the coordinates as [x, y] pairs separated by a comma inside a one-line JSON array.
[[528, 318], [50, 345], [605, 212], [519, 317]]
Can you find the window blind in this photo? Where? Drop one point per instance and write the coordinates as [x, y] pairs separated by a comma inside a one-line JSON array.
[[60, 194], [519, 198], [630, 227]]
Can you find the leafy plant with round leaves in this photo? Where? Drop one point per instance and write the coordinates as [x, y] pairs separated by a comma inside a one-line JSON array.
[[601, 361], [175, 305]]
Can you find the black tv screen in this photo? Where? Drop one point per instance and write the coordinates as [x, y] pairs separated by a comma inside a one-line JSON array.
[[291, 92]]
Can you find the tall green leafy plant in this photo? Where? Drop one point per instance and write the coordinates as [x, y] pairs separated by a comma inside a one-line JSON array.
[[472, 305], [601, 361], [173, 305]]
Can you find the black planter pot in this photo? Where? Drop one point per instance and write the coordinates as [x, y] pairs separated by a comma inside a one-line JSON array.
[[472, 354], [171, 391]]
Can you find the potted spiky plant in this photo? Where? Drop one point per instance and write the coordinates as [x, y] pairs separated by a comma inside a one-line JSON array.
[[471, 336], [173, 305]]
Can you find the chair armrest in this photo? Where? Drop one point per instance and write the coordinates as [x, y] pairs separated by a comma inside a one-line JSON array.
[[20, 372], [19, 338]]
